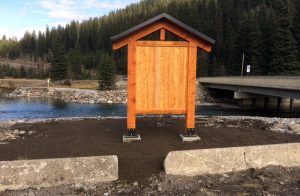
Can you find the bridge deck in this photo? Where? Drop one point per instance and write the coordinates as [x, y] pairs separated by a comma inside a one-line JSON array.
[[292, 83]]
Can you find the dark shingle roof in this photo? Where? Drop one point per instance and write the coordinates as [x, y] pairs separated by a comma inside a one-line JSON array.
[[166, 17]]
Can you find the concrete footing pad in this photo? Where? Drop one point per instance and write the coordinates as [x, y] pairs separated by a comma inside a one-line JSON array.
[[224, 160], [189, 138], [22, 174], [127, 139]]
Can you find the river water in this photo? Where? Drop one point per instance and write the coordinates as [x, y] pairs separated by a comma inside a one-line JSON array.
[[14, 109]]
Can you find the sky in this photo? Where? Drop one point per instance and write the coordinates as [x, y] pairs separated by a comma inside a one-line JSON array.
[[18, 16]]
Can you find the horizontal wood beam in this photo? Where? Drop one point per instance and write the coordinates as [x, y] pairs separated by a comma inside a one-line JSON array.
[[160, 112], [163, 43]]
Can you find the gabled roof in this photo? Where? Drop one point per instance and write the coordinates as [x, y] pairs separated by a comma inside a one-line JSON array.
[[169, 18]]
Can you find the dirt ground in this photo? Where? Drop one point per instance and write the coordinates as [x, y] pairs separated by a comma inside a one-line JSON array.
[[141, 163]]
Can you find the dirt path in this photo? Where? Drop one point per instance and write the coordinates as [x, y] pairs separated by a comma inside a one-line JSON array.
[[138, 160]]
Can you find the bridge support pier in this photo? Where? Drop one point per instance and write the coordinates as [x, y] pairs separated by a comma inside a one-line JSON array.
[[266, 102], [291, 104], [279, 102], [253, 100]]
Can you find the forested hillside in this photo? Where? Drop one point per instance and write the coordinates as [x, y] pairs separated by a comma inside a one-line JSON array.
[[266, 31]]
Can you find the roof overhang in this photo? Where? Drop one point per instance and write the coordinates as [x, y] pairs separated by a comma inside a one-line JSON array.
[[162, 21]]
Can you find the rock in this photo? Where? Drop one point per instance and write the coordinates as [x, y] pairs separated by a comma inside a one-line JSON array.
[[91, 187], [21, 133], [159, 188], [16, 131], [78, 187], [73, 95], [1, 136], [135, 183], [294, 127], [119, 99], [10, 136], [31, 193], [31, 132]]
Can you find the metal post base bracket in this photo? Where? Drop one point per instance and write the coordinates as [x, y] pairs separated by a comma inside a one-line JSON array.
[[190, 131], [131, 132], [189, 138], [131, 136]]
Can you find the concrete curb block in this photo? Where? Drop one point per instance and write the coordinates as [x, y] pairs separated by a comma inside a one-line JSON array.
[[223, 160], [22, 174]]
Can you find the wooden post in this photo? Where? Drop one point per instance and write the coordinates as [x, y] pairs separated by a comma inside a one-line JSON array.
[[191, 88], [162, 34], [131, 109]]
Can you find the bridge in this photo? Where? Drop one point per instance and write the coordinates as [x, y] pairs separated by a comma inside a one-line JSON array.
[[257, 87]]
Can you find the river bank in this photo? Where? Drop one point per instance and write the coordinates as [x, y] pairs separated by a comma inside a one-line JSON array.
[[141, 163], [73, 95], [70, 95]]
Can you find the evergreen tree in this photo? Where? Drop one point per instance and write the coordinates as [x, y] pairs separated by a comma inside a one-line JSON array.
[[284, 59], [296, 27], [74, 62], [242, 46], [23, 72], [227, 21], [106, 72], [203, 65], [266, 28], [58, 69], [257, 47]]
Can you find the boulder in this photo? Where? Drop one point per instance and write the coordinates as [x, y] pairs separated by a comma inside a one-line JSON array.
[[295, 127]]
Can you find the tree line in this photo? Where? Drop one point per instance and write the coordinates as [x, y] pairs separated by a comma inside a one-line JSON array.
[[266, 31], [13, 72]]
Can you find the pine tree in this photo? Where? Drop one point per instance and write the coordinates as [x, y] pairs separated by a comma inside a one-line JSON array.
[[241, 46], [257, 46], [23, 73], [58, 69], [203, 65], [74, 61], [266, 28], [284, 60], [296, 27], [106, 72]]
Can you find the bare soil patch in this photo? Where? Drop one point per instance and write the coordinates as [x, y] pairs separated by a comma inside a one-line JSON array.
[[137, 160]]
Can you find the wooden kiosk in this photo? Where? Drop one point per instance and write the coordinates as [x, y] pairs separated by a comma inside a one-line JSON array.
[[161, 73]]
